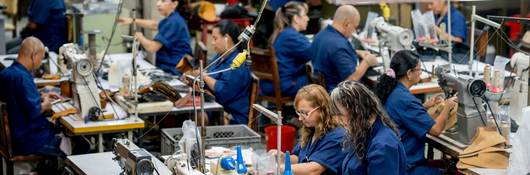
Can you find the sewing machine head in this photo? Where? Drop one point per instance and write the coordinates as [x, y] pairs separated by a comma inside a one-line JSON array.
[[470, 103], [132, 159], [397, 38]]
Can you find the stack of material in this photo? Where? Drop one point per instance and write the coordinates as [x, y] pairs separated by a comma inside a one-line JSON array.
[[486, 151]]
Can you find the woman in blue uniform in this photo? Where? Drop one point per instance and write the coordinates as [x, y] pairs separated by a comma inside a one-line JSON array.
[[231, 88], [292, 49], [407, 112], [319, 150], [171, 42], [372, 139]]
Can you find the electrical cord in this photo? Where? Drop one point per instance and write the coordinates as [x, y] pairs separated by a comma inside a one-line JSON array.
[[493, 114], [118, 12]]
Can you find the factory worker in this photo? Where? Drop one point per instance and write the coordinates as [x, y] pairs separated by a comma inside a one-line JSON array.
[[407, 112], [320, 148], [47, 22], [372, 139], [458, 22], [333, 56], [171, 42], [292, 49], [231, 88]]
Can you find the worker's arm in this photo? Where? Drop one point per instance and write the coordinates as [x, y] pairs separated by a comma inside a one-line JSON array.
[[445, 36], [145, 23], [149, 45], [368, 60], [439, 120]]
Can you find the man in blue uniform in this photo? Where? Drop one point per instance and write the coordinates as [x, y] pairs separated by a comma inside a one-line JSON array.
[[31, 131], [458, 22], [332, 54], [47, 21]]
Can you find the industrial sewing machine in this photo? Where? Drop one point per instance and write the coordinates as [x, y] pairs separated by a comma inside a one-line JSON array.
[[84, 89], [470, 114], [132, 159]]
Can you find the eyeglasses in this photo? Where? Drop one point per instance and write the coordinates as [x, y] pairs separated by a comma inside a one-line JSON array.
[[305, 115]]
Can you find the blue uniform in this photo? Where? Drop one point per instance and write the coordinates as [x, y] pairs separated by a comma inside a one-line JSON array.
[[326, 151], [333, 56], [384, 154], [413, 122], [232, 88], [458, 24], [50, 16], [292, 51], [174, 36], [29, 129]]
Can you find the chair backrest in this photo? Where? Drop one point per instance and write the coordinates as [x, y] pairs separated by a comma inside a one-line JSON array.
[[265, 67], [201, 51], [5, 133], [253, 95]]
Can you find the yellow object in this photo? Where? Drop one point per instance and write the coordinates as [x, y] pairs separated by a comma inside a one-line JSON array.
[[385, 10], [207, 11], [240, 59]]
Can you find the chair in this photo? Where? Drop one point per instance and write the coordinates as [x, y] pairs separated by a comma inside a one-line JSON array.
[[265, 67], [5, 144], [314, 77], [253, 95]]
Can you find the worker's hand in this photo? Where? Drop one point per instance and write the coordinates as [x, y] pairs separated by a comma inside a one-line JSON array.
[[125, 20], [53, 95], [370, 59], [138, 35], [451, 102], [442, 34], [46, 103], [275, 152], [433, 101]]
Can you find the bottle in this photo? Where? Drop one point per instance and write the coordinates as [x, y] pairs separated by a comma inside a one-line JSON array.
[[287, 170], [241, 168]]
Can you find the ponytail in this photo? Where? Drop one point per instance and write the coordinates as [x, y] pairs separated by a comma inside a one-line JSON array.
[[284, 17], [401, 63]]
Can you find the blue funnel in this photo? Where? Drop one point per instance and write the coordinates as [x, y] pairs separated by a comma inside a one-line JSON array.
[[287, 168], [241, 168]]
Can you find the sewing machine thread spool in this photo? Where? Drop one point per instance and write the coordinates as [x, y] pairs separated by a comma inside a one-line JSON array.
[[500, 79], [487, 75], [126, 84]]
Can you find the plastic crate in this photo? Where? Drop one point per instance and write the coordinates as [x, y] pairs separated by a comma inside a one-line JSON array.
[[226, 136]]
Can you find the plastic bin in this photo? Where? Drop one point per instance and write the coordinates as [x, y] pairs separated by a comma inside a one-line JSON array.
[[226, 136], [288, 135]]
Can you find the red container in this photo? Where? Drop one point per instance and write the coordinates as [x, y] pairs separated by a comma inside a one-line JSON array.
[[288, 135]]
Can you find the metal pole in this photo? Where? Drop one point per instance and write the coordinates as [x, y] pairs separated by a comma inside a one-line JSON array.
[[449, 31], [279, 142], [472, 47], [202, 167]]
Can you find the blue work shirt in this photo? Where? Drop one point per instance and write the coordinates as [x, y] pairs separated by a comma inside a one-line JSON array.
[[413, 123], [232, 88], [458, 24], [29, 129], [333, 56], [384, 154], [292, 51], [51, 20], [326, 151], [174, 36], [275, 4]]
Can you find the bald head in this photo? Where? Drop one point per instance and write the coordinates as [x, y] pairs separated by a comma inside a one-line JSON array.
[[31, 53], [346, 19]]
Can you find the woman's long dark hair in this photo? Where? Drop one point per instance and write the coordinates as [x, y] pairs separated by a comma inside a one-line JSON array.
[[362, 105], [284, 17], [227, 27], [401, 62]]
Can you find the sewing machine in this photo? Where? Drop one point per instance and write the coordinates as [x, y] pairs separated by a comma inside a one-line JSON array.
[[395, 37], [85, 90], [469, 115], [132, 159], [519, 91]]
